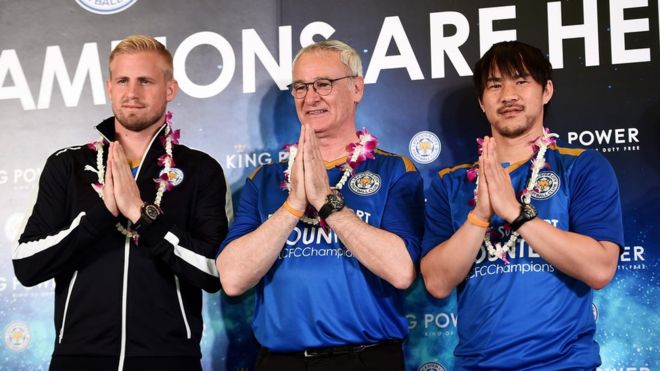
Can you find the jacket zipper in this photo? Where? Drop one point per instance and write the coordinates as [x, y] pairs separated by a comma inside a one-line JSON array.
[[183, 310], [66, 305]]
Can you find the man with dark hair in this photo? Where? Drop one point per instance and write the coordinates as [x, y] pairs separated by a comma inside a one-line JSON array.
[[128, 226], [329, 280], [526, 232]]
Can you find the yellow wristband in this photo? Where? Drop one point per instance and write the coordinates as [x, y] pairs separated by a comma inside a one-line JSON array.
[[292, 211], [475, 220]]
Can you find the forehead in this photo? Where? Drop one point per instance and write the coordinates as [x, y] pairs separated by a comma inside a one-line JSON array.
[[140, 63], [507, 70], [318, 64]]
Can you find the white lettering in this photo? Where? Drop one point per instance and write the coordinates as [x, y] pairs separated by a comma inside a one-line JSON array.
[[557, 33], [9, 64], [619, 27], [226, 69], [55, 68], [488, 37], [253, 47], [441, 45], [313, 29], [393, 30]]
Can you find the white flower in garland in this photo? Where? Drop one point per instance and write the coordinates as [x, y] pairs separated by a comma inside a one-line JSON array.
[[540, 146], [357, 153], [163, 182]]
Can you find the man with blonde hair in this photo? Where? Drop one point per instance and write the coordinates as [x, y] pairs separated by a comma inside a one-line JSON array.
[[329, 280], [128, 226]]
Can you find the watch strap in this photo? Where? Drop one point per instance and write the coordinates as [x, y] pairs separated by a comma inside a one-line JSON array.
[[527, 213]]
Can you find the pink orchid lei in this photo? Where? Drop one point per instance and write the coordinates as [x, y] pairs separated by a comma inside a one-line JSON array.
[[163, 182], [357, 153], [539, 146]]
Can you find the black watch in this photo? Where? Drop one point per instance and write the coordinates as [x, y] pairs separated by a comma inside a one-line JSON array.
[[148, 214], [333, 203], [527, 213]]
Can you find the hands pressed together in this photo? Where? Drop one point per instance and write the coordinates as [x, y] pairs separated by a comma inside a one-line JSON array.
[[495, 194], [309, 177], [120, 192]]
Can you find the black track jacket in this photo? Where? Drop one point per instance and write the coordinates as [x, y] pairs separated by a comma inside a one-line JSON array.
[[113, 298]]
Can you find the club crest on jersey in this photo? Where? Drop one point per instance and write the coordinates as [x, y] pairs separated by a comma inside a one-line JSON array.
[[175, 175], [365, 183], [546, 185]]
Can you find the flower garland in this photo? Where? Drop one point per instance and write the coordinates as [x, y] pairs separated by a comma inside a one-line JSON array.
[[163, 182], [539, 146], [357, 153]]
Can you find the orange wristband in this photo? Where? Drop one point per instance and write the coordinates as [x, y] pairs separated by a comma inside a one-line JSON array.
[[292, 211], [475, 220]]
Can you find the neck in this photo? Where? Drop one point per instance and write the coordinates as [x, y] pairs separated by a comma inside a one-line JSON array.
[[135, 143], [516, 149], [333, 147]]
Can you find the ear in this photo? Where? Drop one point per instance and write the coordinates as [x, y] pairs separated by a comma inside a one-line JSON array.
[[481, 105], [357, 88], [548, 90], [172, 90], [108, 88]]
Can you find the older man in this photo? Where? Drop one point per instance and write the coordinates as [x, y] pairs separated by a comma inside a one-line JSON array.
[[331, 238]]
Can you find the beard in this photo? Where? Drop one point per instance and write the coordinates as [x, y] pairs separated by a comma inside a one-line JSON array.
[[514, 130], [138, 122]]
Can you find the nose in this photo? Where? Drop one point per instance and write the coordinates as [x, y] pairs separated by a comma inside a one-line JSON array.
[[509, 92], [132, 89], [312, 96]]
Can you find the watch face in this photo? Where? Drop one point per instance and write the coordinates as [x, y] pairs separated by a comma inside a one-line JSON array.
[[336, 200], [529, 210], [151, 211]]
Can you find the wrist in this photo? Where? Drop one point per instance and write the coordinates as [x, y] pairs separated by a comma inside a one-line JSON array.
[[135, 213], [298, 213], [478, 221]]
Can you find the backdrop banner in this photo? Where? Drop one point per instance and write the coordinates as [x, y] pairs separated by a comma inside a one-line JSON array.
[[232, 60]]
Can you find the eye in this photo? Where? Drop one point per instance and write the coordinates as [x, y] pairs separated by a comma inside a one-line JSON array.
[[494, 85], [121, 81], [323, 84]]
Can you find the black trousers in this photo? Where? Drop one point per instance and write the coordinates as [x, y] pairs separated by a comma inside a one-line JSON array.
[[385, 357], [59, 363]]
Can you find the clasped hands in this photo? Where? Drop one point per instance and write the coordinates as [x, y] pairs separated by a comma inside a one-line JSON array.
[[120, 191], [495, 194], [309, 177]]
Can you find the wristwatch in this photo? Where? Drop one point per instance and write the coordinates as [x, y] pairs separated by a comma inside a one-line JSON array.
[[333, 203], [148, 214], [527, 213]]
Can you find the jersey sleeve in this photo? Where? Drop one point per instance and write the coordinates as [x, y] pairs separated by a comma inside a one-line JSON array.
[[403, 212], [595, 206], [247, 217], [438, 222]]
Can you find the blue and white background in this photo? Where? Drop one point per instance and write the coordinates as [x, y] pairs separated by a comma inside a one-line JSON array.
[[233, 60]]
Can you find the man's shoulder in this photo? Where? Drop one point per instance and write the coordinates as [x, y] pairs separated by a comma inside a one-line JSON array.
[[455, 171], [394, 159]]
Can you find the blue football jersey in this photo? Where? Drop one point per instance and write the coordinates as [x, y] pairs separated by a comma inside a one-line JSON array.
[[317, 294], [528, 315]]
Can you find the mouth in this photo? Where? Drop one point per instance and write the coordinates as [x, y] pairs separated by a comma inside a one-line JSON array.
[[132, 106], [510, 110], [316, 112]]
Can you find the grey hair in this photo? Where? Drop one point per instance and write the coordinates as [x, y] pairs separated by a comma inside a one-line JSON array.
[[347, 55]]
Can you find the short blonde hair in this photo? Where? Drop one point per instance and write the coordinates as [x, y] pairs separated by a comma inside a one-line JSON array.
[[347, 55], [143, 43]]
